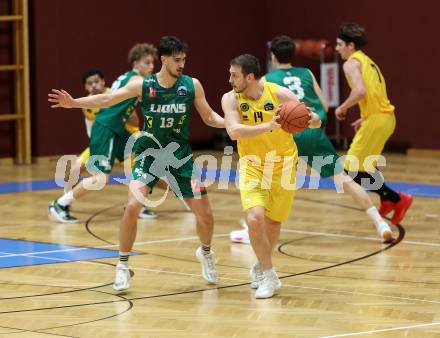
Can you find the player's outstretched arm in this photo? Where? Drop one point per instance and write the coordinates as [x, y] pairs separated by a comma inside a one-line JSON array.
[[208, 115], [62, 99], [234, 127]]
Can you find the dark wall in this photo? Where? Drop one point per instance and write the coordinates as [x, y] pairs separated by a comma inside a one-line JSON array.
[[403, 41], [70, 36], [7, 130]]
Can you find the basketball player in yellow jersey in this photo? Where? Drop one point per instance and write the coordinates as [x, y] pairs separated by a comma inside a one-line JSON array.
[[268, 157], [377, 121]]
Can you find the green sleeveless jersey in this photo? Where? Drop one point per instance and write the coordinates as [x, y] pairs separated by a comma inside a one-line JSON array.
[[300, 82], [116, 116], [167, 111]]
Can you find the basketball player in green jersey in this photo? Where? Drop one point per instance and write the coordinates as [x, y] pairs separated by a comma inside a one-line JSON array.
[[109, 136], [162, 149], [314, 147]]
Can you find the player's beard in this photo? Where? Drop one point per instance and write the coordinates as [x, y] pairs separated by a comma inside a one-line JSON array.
[[240, 89], [175, 74]]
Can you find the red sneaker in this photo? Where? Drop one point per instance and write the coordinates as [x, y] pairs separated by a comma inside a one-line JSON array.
[[386, 207], [401, 207]]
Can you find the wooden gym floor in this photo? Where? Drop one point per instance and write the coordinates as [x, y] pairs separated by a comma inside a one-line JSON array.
[[339, 280]]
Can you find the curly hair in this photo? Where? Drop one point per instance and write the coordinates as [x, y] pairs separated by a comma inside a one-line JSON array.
[[141, 49]]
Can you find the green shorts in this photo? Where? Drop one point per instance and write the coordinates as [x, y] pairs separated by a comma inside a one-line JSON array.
[[106, 146], [178, 169], [315, 148]]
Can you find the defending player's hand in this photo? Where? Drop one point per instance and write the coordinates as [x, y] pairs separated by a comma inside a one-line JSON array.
[[315, 120], [357, 124], [61, 98]]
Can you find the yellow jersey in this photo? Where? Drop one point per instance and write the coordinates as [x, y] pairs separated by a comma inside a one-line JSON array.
[[375, 100], [90, 113], [257, 112]]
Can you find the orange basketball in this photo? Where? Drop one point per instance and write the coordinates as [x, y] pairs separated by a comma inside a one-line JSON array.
[[294, 117]]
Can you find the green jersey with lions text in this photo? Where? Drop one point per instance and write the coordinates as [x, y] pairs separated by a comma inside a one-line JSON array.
[[167, 111], [116, 116]]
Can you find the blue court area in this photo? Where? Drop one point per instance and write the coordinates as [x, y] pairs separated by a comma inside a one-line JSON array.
[[14, 253], [306, 182]]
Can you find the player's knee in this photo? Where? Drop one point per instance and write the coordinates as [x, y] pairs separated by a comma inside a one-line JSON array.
[[205, 215], [255, 221], [133, 206]]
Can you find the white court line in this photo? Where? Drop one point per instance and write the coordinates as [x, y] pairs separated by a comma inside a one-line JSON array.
[[298, 286], [41, 252], [326, 234], [329, 234], [383, 330], [406, 299], [6, 254]]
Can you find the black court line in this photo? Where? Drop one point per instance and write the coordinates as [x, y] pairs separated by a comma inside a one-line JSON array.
[[122, 299], [401, 235], [52, 293], [130, 300], [18, 330], [389, 246], [93, 216]]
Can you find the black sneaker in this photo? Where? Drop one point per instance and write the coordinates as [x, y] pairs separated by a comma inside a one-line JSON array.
[[61, 214], [147, 214]]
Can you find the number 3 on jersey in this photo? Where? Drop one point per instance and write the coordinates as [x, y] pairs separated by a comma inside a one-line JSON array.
[[294, 84]]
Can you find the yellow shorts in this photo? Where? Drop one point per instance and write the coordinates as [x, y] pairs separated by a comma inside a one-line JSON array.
[[85, 155], [369, 142], [272, 190]]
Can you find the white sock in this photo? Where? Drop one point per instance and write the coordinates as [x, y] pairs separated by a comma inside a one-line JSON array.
[[66, 199], [123, 258], [375, 216]]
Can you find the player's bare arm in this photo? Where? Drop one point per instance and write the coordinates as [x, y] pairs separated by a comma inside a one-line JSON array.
[[62, 99], [208, 115], [234, 127], [352, 69], [285, 95]]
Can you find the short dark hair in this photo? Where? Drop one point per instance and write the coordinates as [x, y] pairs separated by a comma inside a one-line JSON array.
[[283, 48], [139, 50], [353, 32], [170, 45], [90, 72], [249, 65]]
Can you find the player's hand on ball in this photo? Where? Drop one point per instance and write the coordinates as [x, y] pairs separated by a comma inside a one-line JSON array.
[[274, 123], [61, 98]]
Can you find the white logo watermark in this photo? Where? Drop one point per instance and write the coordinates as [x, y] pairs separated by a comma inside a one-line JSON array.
[[174, 164]]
